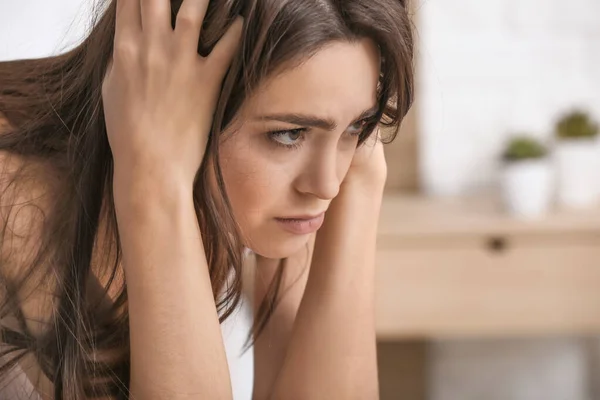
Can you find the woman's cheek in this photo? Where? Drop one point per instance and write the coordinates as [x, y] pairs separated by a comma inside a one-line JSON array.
[[247, 184]]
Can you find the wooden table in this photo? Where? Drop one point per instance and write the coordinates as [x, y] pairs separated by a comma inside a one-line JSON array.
[[463, 267]]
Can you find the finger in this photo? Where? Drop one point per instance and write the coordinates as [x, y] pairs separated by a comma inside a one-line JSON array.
[[223, 52], [128, 19], [377, 135], [188, 24], [156, 16], [371, 140]]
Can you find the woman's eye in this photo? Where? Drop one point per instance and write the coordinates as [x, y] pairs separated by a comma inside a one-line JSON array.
[[357, 128], [290, 138]]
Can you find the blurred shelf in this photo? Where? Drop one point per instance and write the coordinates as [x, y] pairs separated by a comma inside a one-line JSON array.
[[462, 267], [416, 216]]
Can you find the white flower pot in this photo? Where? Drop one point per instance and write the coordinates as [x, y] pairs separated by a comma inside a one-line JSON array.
[[577, 167], [527, 187]]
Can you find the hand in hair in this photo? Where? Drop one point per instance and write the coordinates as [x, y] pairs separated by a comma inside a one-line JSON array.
[[159, 97], [159, 94]]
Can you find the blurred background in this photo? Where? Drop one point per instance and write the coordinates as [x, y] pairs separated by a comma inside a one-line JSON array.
[[488, 277], [489, 259]]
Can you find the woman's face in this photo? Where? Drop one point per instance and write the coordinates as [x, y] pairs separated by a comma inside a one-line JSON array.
[[294, 142]]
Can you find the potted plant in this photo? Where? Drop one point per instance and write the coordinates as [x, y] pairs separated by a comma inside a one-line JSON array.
[[577, 161], [527, 177]]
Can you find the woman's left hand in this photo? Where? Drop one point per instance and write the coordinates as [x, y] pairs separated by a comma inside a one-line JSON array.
[[357, 206], [368, 170]]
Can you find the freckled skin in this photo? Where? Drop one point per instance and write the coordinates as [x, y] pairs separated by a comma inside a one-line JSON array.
[[265, 180]]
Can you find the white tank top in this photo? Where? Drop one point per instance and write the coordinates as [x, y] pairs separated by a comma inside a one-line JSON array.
[[241, 366]]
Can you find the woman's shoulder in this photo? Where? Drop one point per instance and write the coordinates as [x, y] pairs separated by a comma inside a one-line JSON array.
[[23, 209], [22, 205]]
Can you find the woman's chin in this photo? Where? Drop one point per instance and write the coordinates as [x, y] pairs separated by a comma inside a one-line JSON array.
[[280, 247]]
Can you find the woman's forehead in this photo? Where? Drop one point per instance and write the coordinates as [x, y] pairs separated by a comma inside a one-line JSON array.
[[339, 80]]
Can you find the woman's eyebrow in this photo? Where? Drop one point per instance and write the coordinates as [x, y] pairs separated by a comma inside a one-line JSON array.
[[312, 120]]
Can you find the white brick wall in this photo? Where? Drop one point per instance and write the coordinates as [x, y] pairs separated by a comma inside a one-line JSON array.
[[492, 67], [489, 68]]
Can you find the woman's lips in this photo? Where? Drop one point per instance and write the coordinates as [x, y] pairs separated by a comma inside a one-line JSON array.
[[301, 226]]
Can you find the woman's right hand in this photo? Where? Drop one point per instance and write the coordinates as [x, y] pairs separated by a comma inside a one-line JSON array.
[[159, 94]]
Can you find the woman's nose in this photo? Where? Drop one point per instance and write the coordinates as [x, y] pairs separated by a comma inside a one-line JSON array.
[[322, 176]]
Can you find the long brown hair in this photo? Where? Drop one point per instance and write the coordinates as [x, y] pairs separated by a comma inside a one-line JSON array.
[[56, 126]]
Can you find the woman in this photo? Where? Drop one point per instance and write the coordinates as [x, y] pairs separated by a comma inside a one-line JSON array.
[[138, 167]]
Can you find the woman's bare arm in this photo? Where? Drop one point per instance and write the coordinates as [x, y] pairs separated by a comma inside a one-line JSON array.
[[271, 346], [159, 97], [343, 230], [177, 350], [332, 350]]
